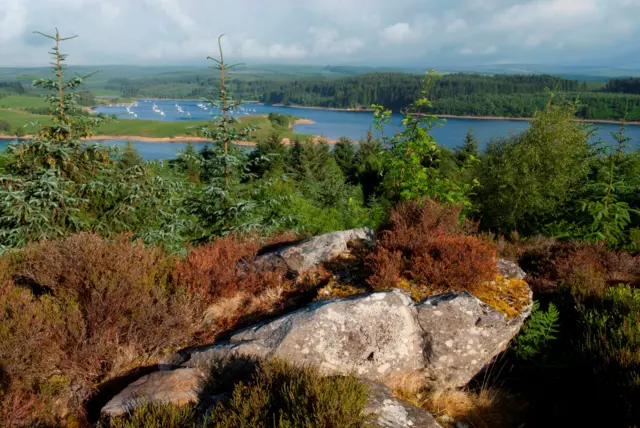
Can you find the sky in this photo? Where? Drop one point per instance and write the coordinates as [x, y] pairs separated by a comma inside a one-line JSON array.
[[326, 32]]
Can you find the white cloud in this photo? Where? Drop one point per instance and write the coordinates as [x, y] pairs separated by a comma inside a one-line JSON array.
[[457, 25], [12, 18], [399, 33], [253, 49], [327, 41], [484, 50], [321, 31]]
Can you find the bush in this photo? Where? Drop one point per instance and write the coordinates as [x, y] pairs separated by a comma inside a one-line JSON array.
[[425, 244], [610, 348], [527, 180], [276, 395], [156, 416], [587, 269], [281, 395], [5, 126], [82, 310], [20, 132], [225, 268]]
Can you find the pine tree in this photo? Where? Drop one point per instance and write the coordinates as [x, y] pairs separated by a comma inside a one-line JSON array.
[[344, 154], [223, 129], [269, 157], [469, 148], [130, 156]]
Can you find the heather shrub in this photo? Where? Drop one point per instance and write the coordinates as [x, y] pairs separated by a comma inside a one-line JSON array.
[[425, 244], [585, 268], [281, 395], [270, 394], [156, 416], [453, 263], [225, 268], [84, 309]]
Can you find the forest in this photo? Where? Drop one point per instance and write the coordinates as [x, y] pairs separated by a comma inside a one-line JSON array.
[[629, 85], [461, 94], [107, 261]]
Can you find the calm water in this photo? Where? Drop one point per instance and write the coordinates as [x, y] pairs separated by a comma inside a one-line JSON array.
[[328, 123]]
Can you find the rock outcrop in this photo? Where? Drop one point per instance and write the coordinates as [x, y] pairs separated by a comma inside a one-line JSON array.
[[392, 412], [302, 256], [179, 387], [449, 337], [463, 335], [372, 336]]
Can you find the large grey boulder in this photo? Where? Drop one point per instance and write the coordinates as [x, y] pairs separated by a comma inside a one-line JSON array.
[[372, 336], [313, 252], [179, 387], [392, 412], [449, 338], [463, 336]]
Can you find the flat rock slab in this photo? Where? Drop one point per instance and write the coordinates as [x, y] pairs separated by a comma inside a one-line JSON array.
[[313, 252], [392, 412], [179, 387]]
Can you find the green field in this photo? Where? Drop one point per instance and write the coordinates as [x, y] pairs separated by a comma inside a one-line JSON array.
[[142, 128], [22, 101], [161, 129]]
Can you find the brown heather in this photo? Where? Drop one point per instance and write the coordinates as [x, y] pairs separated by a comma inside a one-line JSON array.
[[81, 310], [425, 247]]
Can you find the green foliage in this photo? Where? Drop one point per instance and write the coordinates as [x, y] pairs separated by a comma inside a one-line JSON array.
[[57, 184], [609, 343], [286, 397], [411, 162], [281, 121], [529, 179], [537, 333], [5, 126], [369, 166], [269, 157], [279, 395], [220, 129], [609, 202], [469, 149], [344, 155], [130, 157]]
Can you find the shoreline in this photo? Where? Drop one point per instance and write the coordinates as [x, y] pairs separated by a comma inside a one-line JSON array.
[[529, 119], [365, 110], [368, 110], [181, 139], [301, 122]]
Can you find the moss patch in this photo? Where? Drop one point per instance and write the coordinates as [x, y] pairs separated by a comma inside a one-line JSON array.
[[509, 296]]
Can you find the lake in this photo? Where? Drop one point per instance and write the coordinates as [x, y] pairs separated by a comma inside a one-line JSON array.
[[331, 124]]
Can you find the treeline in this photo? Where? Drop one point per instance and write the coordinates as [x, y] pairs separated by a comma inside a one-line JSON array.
[[629, 85], [190, 86], [11, 88], [397, 90], [453, 94], [601, 106]]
